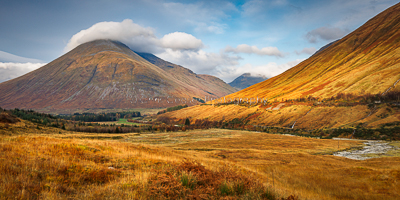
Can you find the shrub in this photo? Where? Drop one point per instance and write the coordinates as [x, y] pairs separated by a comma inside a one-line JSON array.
[[188, 180], [8, 118], [176, 108], [226, 189], [187, 122]]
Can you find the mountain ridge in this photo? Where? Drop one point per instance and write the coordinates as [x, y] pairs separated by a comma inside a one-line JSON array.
[[246, 80]]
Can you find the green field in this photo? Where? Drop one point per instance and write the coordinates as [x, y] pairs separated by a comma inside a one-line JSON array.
[[124, 121]]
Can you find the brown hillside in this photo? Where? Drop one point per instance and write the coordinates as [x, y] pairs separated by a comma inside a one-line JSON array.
[[365, 61], [106, 74], [211, 84]]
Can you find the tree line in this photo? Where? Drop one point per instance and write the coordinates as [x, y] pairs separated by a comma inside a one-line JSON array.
[[102, 117]]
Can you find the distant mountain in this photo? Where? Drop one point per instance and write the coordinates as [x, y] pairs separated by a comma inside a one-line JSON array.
[[245, 80], [105, 74]]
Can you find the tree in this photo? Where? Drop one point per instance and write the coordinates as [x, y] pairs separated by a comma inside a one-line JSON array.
[[187, 122]]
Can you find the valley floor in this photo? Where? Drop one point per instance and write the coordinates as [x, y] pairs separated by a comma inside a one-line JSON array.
[[60, 164]]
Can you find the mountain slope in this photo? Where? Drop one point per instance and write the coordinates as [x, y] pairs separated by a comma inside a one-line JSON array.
[[102, 74], [211, 84], [365, 61], [246, 80]]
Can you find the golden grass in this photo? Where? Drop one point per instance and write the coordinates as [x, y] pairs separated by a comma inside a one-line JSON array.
[[44, 167], [133, 166], [80, 166], [295, 165]]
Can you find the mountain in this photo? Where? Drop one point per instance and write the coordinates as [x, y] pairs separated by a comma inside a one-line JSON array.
[[211, 84], [245, 80], [106, 74], [364, 63]]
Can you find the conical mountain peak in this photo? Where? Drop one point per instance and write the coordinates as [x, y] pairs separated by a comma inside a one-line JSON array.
[[105, 74]]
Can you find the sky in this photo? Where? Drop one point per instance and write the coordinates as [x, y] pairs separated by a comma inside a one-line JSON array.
[[216, 37]]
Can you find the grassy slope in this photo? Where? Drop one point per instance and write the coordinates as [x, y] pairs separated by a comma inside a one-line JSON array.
[[365, 61], [318, 117]]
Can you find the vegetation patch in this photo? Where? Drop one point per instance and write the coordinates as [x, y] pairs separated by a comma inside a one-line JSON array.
[[101, 117], [192, 180], [8, 118], [170, 109]]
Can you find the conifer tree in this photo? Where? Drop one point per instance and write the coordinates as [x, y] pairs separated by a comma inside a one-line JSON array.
[[187, 122]]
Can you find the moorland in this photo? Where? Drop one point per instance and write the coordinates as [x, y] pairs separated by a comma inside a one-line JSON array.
[[53, 163]]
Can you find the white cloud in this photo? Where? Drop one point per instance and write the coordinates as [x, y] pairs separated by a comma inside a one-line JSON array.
[[135, 37], [8, 57], [223, 65], [11, 70], [181, 41], [269, 70], [244, 48], [325, 33], [182, 49], [307, 50], [200, 61], [177, 47]]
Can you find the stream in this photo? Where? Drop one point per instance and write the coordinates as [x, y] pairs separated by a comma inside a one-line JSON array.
[[372, 149]]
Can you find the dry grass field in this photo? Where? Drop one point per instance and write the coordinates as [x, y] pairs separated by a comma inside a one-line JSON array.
[[292, 165], [52, 164], [196, 164]]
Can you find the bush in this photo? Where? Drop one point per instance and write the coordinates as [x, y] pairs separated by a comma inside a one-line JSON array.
[[187, 122], [188, 180], [8, 118], [199, 100], [176, 108], [226, 189]]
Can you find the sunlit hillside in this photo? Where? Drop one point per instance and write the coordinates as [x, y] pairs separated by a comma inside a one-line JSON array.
[[365, 61]]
